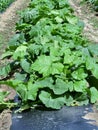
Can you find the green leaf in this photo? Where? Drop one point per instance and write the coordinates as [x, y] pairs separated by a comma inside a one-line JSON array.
[[50, 102], [90, 62], [79, 74], [56, 68], [92, 66], [80, 86], [93, 94], [50, 59], [95, 70], [32, 91], [13, 41], [34, 49], [93, 48], [19, 76], [20, 52], [84, 102], [22, 92], [3, 95], [81, 24], [60, 87], [70, 86], [25, 65], [12, 83], [41, 84], [6, 54], [4, 71], [72, 20], [58, 19], [82, 99], [44, 65], [68, 59], [69, 100]]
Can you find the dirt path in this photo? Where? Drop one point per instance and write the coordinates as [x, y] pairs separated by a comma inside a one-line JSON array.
[[10, 15], [8, 20], [88, 17]]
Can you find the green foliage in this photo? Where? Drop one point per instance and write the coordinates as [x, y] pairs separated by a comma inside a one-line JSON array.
[[4, 4], [4, 104], [52, 63], [94, 3]]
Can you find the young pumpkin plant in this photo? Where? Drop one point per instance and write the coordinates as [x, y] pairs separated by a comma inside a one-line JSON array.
[[52, 64]]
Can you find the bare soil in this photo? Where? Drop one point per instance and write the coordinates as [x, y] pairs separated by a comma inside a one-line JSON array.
[[8, 20], [89, 17]]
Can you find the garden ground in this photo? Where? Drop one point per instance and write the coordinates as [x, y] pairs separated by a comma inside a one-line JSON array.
[[7, 30]]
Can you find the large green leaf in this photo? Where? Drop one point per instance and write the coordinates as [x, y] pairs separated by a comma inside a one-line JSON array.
[[72, 20], [80, 86], [20, 52], [45, 65], [22, 92], [25, 65], [50, 102], [68, 59], [32, 91], [93, 94], [79, 74], [11, 83], [41, 84], [93, 48], [6, 54], [60, 87], [20, 76], [4, 71], [42, 65], [92, 66], [95, 70]]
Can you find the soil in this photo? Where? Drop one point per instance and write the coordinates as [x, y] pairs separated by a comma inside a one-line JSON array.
[[7, 30], [92, 117], [89, 17]]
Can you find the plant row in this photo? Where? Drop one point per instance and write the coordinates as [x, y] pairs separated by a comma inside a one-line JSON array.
[[52, 64], [4, 4]]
